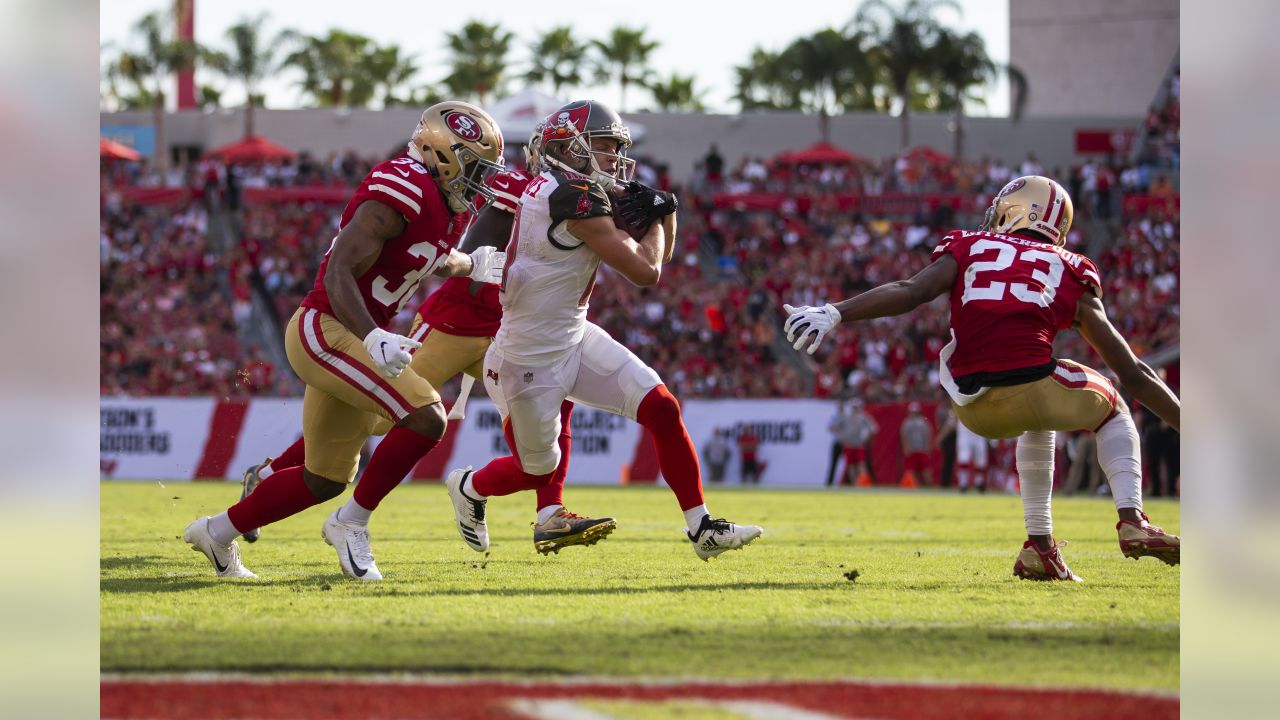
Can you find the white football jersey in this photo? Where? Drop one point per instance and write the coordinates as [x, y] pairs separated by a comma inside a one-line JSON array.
[[550, 273]]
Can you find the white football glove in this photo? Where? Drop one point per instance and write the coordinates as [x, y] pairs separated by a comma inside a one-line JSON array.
[[390, 352], [805, 321], [486, 264]]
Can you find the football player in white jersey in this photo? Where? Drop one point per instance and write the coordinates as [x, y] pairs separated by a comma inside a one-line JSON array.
[[547, 351]]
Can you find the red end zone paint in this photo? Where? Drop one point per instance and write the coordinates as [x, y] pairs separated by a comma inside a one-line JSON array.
[[463, 700]]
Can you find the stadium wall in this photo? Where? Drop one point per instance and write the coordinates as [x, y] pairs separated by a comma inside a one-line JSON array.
[[176, 439], [678, 140]]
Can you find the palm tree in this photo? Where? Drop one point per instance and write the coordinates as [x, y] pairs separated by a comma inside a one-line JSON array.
[[251, 60], [161, 57], [394, 71], [479, 60], [331, 65], [901, 43], [624, 55], [557, 58], [961, 64], [762, 83], [676, 94], [830, 72]]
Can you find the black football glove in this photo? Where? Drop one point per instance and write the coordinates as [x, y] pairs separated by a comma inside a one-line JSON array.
[[641, 205]]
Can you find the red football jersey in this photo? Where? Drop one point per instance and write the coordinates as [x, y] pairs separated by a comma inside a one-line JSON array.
[[462, 306], [1011, 297], [406, 186]]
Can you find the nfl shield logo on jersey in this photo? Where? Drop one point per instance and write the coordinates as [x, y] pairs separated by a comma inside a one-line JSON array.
[[528, 377]]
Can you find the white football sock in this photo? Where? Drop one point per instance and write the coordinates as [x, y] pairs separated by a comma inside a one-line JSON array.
[[693, 517], [547, 513], [222, 530], [469, 488], [1120, 456], [1035, 476], [962, 476], [352, 512]]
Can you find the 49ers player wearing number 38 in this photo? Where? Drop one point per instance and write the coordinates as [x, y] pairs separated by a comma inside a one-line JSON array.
[[399, 226], [1013, 288]]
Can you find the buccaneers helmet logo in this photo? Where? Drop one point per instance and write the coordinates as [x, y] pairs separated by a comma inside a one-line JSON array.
[[566, 123], [464, 126]]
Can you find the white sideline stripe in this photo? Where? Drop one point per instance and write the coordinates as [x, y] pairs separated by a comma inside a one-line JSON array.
[[396, 178], [397, 195], [557, 710], [578, 680], [764, 710], [345, 368], [755, 709]]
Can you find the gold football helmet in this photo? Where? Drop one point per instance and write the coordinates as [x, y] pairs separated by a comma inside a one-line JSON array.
[[1031, 203], [462, 147]]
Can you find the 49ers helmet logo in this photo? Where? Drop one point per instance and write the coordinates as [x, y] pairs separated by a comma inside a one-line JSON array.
[[464, 126], [1013, 186]]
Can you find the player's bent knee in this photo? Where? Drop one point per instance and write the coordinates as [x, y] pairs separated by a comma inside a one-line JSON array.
[[541, 463], [659, 409], [428, 421], [321, 487]]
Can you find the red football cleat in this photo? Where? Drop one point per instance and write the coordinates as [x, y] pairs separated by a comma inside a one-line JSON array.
[[1036, 564], [1138, 539]]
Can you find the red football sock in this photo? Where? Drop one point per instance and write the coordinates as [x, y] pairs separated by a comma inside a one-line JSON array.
[[677, 458], [553, 492], [276, 498], [395, 456], [292, 457], [504, 476]]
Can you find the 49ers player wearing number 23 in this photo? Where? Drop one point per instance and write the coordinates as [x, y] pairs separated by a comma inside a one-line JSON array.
[[1013, 287], [399, 226]]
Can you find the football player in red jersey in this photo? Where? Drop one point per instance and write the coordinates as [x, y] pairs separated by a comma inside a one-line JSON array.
[[1013, 288], [400, 225], [455, 325]]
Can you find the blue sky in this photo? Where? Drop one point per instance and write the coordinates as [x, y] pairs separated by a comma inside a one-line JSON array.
[[704, 39]]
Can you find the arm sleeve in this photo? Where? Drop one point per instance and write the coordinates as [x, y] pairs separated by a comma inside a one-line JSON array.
[[578, 199]]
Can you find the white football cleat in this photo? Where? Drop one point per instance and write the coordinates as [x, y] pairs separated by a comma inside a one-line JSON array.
[[469, 511], [225, 558], [716, 535], [352, 543]]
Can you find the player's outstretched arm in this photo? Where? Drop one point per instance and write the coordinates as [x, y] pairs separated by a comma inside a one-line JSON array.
[[894, 298], [640, 262], [354, 251], [1136, 377], [901, 296]]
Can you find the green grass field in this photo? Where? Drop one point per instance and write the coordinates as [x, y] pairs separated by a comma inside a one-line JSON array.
[[934, 597]]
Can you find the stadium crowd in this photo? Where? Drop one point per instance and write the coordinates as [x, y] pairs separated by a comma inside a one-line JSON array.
[[170, 325]]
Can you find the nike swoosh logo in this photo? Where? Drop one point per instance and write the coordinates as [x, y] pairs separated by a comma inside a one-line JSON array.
[[403, 173], [359, 571], [221, 568], [382, 348], [580, 187]]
